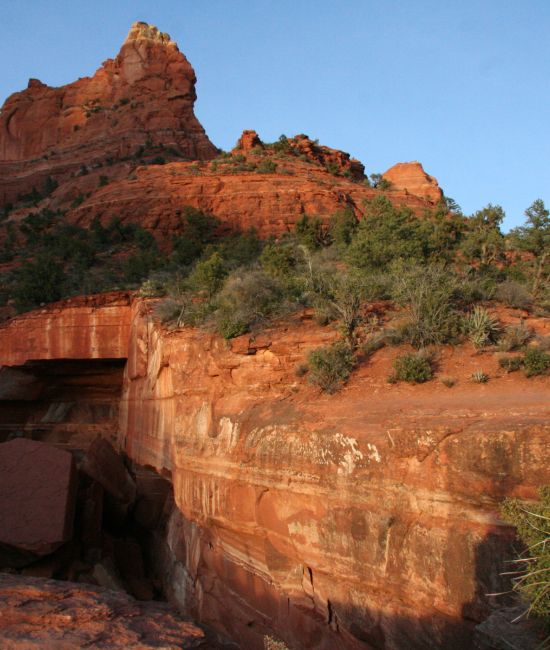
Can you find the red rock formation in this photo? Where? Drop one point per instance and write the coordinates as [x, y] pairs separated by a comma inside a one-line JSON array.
[[365, 519], [86, 327], [50, 615], [412, 178], [141, 99], [37, 499], [272, 203], [248, 140]]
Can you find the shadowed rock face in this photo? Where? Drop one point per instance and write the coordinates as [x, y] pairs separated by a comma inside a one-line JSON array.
[[37, 499], [144, 96]]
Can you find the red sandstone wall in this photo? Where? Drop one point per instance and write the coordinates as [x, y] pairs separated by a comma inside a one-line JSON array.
[[88, 327], [366, 519]]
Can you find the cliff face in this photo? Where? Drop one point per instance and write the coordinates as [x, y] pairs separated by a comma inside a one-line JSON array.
[[272, 203], [365, 519], [143, 97]]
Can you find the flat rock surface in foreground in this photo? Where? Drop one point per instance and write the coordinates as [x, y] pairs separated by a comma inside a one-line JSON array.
[[53, 615]]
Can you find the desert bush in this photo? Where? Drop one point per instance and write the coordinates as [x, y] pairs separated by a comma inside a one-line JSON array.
[[543, 343], [331, 366], [482, 327], [413, 367], [447, 381], [170, 310], [514, 337], [266, 166], [301, 369], [429, 293], [208, 275], [532, 576], [513, 294], [374, 341], [536, 362], [510, 364], [247, 298]]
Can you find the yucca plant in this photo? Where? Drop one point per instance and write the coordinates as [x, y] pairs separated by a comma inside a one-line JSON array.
[[480, 377], [482, 327], [532, 575]]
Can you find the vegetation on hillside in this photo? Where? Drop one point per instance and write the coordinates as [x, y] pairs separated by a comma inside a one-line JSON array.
[[440, 271]]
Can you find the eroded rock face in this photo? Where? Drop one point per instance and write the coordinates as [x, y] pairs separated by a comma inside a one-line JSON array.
[[51, 615], [85, 327], [367, 519], [411, 177], [37, 500], [143, 97], [364, 519]]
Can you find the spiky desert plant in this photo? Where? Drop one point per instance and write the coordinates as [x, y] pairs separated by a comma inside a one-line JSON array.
[[482, 327], [480, 377], [531, 578]]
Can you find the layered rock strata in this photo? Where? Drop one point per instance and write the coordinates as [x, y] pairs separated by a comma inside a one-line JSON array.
[[143, 98], [365, 519]]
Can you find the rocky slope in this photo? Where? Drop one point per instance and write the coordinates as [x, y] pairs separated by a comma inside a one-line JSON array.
[[141, 99], [50, 615], [366, 519]]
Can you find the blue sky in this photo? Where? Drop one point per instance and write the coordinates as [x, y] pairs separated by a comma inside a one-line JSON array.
[[462, 86]]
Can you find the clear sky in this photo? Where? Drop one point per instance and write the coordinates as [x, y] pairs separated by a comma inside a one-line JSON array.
[[461, 85]]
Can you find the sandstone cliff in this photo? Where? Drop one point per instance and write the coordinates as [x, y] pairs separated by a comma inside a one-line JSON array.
[[366, 519], [143, 98]]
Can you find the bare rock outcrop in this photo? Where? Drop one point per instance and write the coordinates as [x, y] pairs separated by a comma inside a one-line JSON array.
[[142, 99], [38, 614], [411, 177]]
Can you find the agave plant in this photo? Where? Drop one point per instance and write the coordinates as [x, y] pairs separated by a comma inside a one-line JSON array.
[[482, 327]]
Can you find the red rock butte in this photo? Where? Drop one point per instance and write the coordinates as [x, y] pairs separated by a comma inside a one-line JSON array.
[[145, 95], [137, 109]]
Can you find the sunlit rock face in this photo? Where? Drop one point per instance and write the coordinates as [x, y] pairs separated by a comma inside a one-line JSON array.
[[364, 519], [411, 177], [142, 97]]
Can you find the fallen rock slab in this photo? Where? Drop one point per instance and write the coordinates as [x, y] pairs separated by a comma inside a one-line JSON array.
[[53, 615], [37, 499]]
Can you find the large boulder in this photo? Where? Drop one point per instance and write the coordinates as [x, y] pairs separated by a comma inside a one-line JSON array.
[[37, 498]]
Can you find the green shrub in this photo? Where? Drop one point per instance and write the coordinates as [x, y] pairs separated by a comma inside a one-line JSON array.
[[247, 298], [510, 364], [208, 275], [532, 576], [482, 327], [536, 362], [429, 294], [266, 166], [514, 337], [513, 294], [331, 366], [414, 367]]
